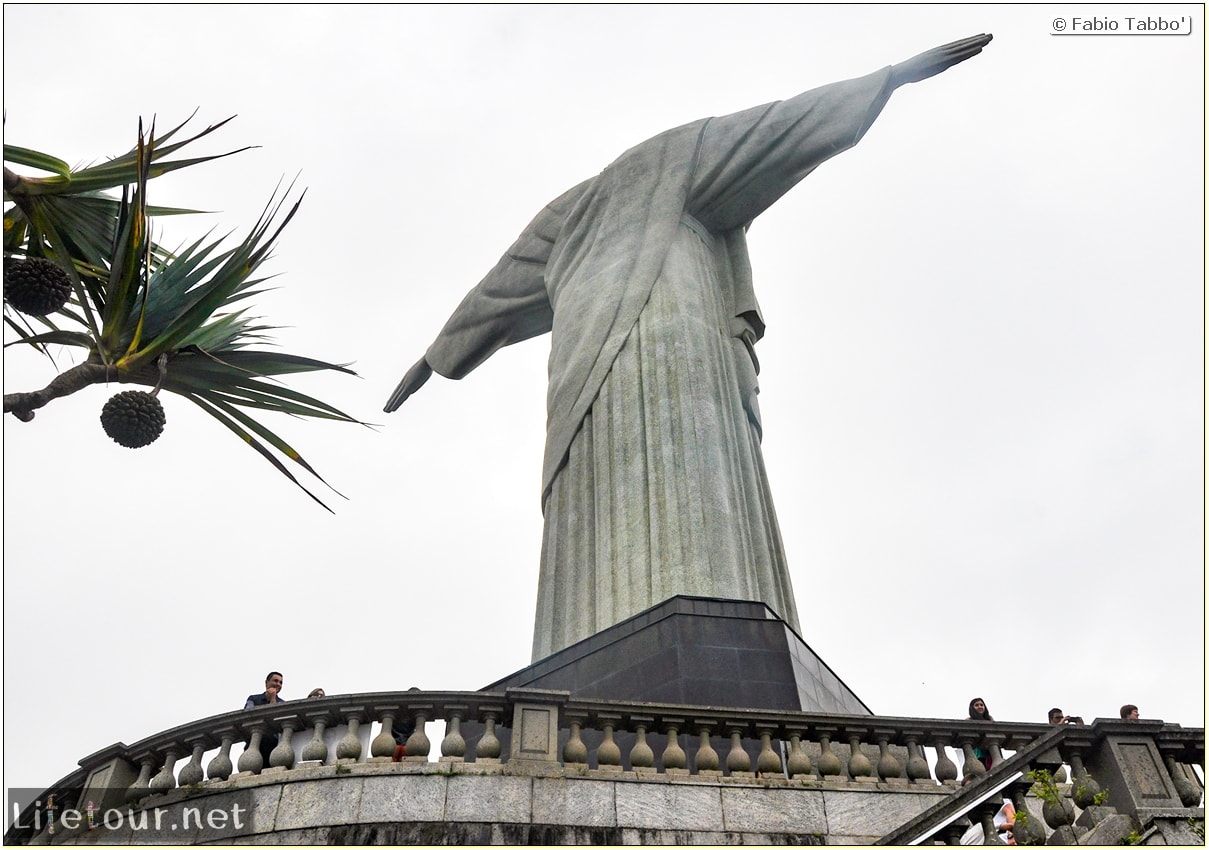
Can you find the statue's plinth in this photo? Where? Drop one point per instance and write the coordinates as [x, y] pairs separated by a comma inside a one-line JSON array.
[[692, 650]]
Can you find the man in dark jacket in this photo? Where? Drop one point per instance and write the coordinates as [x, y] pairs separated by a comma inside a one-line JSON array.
[[272, 687]]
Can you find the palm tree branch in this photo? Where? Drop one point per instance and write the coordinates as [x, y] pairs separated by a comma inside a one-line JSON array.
[[197, 374], [235, 271]]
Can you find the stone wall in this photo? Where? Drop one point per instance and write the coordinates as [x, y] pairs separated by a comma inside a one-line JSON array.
[[444, 803]]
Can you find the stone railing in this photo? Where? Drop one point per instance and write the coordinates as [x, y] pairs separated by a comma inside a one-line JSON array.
[[532, 732], [1146, 773]]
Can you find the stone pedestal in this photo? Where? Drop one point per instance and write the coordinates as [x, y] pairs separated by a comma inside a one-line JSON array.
[[1131, 768], [695, 651], [534, 744]]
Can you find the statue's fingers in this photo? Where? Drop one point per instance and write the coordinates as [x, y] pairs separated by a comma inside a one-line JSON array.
[[973, 42], [980, 40], [406, 387], [948, 55], [397, 397], [967, 47], [415, 378]]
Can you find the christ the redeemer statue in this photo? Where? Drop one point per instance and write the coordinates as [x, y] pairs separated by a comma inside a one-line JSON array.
[[653, 480]]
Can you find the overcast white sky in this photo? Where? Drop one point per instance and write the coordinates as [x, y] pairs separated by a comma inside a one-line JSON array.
[[982, 384]]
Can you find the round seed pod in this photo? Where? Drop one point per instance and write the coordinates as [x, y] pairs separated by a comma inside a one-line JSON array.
[[133, 419], [36, 286]]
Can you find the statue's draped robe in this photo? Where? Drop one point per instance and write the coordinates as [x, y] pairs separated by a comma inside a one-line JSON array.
[[653, 480]]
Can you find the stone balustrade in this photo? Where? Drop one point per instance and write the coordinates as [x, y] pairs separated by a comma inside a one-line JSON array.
[[548, 733]]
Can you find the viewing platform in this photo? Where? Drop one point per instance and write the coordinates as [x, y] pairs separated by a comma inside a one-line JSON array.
[[532, 766]]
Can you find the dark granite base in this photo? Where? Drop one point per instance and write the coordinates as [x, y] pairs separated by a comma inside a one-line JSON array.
[[695, 651]]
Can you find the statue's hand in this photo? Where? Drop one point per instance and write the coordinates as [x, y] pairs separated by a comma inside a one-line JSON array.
[[932, 62], [412, 381]]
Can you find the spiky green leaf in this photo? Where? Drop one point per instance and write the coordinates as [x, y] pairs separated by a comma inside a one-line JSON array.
[[121, 171], [73, 338], [36, 159], [228, 419]]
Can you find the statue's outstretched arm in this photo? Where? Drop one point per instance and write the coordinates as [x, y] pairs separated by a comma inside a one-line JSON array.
[[749, 159], [415, 378], [932, 62]]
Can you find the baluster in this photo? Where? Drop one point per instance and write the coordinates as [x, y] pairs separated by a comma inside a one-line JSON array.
[[192, 773], [220, 767], [888, 765], [737, 760], [488, 747], [953, 833], [642, 757], [1085, 788], [250, 760], [1028, 829], [973, 768], [316, 748], [1190, 794], [975, 742], [675, 759], [986, 816], [798, 763], [417, 743], [1058, 813], [349, 747], [382, 747], [858, 763], [282, 755], [608, 754], [917, 765], [994, 741], [165, 780], [706, 758], [141, 787], [575, 751], [453, 745], [829, 762], [768, 762], [946, 768]]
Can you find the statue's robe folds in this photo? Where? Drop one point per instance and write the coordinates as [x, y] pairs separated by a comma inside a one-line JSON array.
[[653, 479]]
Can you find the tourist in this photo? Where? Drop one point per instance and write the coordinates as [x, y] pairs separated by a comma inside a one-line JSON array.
[[1005, 820], [1129, 712], [272, 691], [978, 711], [271, 696], [1057, 718]]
